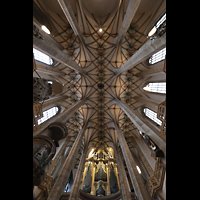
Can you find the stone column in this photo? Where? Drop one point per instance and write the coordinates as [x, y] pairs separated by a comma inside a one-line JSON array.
[[84, 174], [158, 67], [149, 103], [122, 175], [58, 155], [143, 159], [69, 14], [53, 100], [50, 47], [61, 182], [157, 137], [46, 70], [130, 13], [108, 178], [93, 168], [137, 182], [76, 185], [145, 51]]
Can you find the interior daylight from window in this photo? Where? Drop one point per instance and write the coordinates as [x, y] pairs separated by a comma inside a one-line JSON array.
[[99, 100]]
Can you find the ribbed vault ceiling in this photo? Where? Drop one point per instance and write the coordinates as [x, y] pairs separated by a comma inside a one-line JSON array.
[[100, 55]]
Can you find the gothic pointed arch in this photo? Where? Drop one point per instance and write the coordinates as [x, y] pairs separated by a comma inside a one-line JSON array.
[[98, 70]]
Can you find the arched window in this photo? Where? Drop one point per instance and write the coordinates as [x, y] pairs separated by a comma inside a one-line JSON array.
[[154, 29], [161, 20], [47, 114], [158, 87], [156, 57], [39, 56], [152, 115]]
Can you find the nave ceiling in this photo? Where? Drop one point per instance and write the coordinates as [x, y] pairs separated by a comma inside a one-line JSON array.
[[100, 54]]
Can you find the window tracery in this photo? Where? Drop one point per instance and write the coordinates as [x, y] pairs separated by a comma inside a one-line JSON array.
[[47, 114], [157, 87], [152, 115], [42, 57], [160, 55]]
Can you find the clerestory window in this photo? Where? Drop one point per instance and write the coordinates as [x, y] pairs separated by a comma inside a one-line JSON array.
[[160, 55], [47, 114], [160, 21], [157, 87], [39, 56], [152, 115]]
